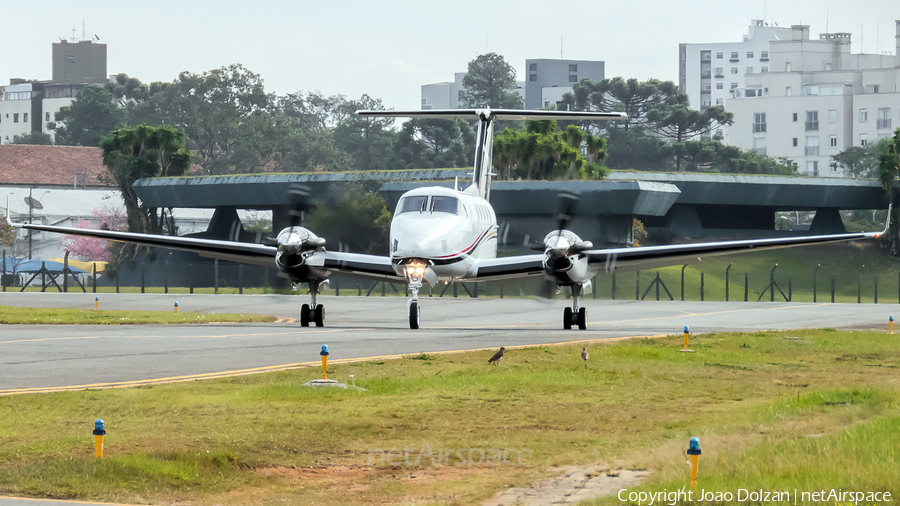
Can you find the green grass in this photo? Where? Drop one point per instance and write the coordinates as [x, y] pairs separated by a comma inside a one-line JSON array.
[[796, 409], [62, 316]]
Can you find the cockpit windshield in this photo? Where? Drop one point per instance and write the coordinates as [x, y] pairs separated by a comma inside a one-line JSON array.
[[411, 204], [437, 204], [445, 205]]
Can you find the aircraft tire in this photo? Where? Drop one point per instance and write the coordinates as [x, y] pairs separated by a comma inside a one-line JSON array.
[[319, 315], [582, 318], [414, 315], [304, 315], [567, 318]]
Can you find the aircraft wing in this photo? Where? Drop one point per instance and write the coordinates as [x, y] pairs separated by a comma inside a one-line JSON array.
[[249, 253], [364, 266], [491, 114], [650, 257]]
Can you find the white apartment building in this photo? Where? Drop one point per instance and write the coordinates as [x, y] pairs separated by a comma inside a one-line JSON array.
[[816, 100], [708, 72], [27, 106], [443, 95]]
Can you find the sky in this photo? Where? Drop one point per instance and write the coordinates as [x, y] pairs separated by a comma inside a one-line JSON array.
[[388, 50]]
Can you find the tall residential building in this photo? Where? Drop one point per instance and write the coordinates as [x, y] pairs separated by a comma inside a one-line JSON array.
[[27, 106], [817, 100], [547, 80], [708, 72]]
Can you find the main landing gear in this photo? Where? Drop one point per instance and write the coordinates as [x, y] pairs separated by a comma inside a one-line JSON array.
[[575, 315], [312, 312]]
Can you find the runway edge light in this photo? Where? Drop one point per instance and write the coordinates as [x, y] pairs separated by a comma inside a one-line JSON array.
[[694, 457], [891, 326], [176, 307], [99, 432], [324, 354], [687, 332], [97, 303]]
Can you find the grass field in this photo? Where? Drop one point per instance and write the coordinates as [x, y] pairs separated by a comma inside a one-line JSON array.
[[775, 410], [61, 316]]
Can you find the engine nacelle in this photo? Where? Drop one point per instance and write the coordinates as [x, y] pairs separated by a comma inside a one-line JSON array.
[[562, 261], [296, 246]]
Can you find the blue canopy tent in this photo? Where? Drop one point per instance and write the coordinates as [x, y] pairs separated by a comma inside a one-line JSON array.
[[45, 268], [24, 266]]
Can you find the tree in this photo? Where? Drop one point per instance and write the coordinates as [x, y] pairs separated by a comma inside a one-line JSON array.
[[888, 167], [544, 152], [862, 161], [435, 143], [490, 82], [226, 117], [93, 114], [90, 248], [713, 156], [142, 152], [353, 218], [633, 97], [680, 124], [369, 141], [33, 138]]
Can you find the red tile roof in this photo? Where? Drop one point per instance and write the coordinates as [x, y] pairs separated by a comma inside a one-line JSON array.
[[25, 164]]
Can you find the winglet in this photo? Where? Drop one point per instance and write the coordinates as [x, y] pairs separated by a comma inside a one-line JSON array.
[[8, 220], [887, 222]]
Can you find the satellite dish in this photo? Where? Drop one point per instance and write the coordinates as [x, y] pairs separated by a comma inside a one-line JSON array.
[[34, 203]]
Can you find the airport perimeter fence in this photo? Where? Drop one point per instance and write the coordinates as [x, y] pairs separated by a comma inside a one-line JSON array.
[[671, 283]]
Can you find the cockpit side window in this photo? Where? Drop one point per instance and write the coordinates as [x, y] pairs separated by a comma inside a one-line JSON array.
[[441, 204], [411, 204]]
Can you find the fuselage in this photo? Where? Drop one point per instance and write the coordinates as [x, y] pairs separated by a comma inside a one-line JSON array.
[[446, 229]]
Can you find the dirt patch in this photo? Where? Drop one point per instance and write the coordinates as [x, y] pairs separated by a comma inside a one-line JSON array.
[[573, 485]]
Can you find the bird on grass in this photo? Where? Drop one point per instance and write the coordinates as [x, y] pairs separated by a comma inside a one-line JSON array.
[[584, 356], [497, 356]]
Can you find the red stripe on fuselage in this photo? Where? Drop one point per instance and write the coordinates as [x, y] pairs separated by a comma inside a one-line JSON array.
[[470, 248]]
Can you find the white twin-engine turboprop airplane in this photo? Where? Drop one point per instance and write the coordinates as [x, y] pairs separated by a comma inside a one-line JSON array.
[[439, 234]]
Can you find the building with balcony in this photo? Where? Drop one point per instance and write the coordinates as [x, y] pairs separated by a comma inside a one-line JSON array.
[[28, 106], [816, 100], [709, 72]]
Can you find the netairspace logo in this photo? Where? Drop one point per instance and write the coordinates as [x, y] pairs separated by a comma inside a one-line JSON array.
[[458, 457], [671, 498]]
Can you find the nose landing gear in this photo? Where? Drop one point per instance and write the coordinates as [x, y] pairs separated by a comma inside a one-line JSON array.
[[312, 313], [575, 315]]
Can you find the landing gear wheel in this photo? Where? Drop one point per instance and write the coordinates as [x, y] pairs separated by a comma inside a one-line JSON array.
[[319, 315], [582, 318], [567, 318], [414, 315], [304, 315]]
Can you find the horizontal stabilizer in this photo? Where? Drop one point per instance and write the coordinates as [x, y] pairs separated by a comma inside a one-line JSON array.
[[495, 114]]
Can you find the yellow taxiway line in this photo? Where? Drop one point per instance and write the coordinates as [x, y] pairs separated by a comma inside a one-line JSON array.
[[283, 367]]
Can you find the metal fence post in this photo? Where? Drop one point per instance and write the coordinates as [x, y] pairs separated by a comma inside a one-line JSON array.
[[746, 287], [701, 287], [94, 275], [790, 288], [683, 267], [614, 286], [726, 281], [815, 271], [876, 288], [832, 288], [142, 279], [191, 276], [637, 285], [241, 279], [859, 286], [216, 273]]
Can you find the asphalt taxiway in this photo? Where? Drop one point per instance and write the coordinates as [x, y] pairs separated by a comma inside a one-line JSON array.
[[41, 358]]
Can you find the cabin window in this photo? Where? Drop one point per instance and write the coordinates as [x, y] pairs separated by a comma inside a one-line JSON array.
[[411, 204], [445, 205]]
